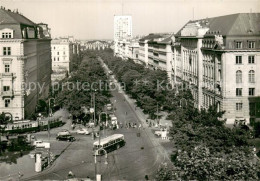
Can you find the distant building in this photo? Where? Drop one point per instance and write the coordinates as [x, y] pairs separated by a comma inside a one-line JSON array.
[[97, 45], [122, 27], [25, 60], [122, 31], [64, 52], [219, 59]]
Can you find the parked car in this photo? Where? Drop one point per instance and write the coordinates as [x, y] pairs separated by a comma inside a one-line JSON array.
[[109, 107], [91, 125], [65, 138], [83, 131], [63, 132], [41, 144]]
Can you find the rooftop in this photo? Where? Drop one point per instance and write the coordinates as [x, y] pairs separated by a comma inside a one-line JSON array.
[[234, 24], [9, 17]]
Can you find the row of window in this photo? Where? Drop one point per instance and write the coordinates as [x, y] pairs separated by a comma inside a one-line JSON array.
[[57, 59], [251, 76], [251, 91], [58, 53], [250, 44], [6, 35], [251, 59]]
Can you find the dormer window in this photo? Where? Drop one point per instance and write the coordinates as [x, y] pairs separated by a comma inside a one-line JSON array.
[[6, 33], [251, 44], [238, 44]]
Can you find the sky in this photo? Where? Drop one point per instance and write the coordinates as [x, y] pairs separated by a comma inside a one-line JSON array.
[[93, 19]]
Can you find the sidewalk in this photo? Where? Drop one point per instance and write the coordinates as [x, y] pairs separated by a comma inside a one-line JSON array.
[[25, 164]]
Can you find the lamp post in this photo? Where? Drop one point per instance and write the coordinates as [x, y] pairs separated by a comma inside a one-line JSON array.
[[50, 114], [99, 138], [98, 176]]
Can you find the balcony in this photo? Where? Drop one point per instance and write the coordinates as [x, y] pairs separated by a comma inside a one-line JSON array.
[[5, 94], [7, 75]]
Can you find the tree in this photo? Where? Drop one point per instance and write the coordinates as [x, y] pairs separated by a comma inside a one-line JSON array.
[[257, 129], [4, 119]]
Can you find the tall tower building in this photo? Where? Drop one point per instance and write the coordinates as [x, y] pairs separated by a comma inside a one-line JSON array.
[[122, 27], [122, 31]]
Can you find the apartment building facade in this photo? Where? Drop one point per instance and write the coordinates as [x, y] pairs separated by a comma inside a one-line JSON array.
[[219, 59], [25, 59], [62, 53], [156, 52]]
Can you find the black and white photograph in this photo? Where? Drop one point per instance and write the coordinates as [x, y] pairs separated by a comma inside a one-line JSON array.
[[129, 90]]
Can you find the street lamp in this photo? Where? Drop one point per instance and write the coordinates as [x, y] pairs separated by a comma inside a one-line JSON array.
[[50, 113], [99, 120], [99, 178]]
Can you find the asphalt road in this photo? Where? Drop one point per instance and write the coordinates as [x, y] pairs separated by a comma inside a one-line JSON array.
[[139, 157]]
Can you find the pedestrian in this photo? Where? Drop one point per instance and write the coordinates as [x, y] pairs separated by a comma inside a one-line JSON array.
[[70, 174], [129, 125]]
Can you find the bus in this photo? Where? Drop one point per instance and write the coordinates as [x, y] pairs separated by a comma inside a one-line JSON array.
[[109, 144]]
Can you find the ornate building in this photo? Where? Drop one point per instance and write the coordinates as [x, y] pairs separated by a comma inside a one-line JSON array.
[[25, 64], [219, 59]]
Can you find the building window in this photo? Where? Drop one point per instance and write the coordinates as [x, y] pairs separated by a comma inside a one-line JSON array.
[[6, 35], [54, 48], [239, 76], [251, 76], [57, 53], [7, 68], [6, 88], [6, 50], [238, 91], [251, 59], [239, 106], [251, 44], [251, 91], [238, 44], [7, 102], [58, 59], [239, 59], [155, 54], [63, 53]]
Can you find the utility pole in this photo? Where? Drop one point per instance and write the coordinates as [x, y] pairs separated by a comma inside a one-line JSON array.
[[94, 106], [157, 114]]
